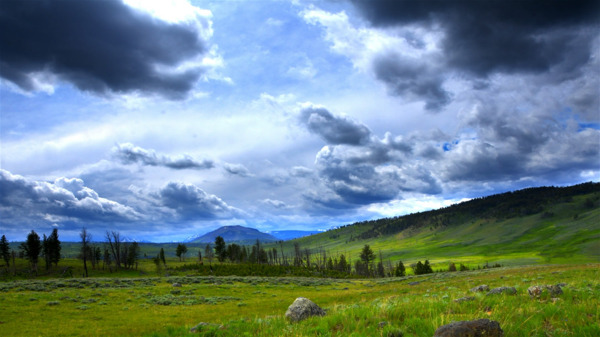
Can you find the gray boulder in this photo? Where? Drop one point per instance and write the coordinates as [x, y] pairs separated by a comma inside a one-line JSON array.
[[537, 291], [480, 288], [303, 308], [476, 328], [176, 284], [554, 290], [464, 299], [503, 290]]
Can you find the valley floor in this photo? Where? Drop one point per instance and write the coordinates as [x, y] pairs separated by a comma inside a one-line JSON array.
[[255, 306]]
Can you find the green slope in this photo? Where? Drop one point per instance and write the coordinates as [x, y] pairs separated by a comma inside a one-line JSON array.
[[542, 225]]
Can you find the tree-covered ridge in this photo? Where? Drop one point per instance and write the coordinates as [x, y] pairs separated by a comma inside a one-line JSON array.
[[499, 206]]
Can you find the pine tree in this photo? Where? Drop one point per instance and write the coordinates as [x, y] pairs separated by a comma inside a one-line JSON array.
[[419, 268], [5, 250], [55, 247], [46, 251], [162, 256], [179, 251], [220, 248], [400, 269], [85, 241], [32, 248], [427, 268], [367, 256]]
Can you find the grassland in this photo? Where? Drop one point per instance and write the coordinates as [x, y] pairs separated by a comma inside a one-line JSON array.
[[562, 232], [254, 306]]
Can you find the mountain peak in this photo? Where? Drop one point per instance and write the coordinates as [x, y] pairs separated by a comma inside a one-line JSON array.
[[234, 233]]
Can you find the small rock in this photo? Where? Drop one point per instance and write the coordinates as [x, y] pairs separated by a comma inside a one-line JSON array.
[[382, 324], [464, 299], [303, 308], [500, 290], [535, 291], [413, 283], [176, 284], [476, 328], [561, 285], [480, 288], [554, 290], [202, 325]]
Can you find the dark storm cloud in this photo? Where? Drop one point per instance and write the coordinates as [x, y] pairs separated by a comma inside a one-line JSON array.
[[190, 202], [334, 129], [99, 46], [417, 77], [64, 199], [129, 154], [487, 36], [361, 179], [363, 169], [510, 146]]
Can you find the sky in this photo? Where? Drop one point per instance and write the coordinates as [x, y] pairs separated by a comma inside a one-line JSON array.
[[167, 119]]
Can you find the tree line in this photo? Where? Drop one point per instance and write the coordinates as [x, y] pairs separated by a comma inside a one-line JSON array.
[[113, 254], [318, 261], [116, 254]]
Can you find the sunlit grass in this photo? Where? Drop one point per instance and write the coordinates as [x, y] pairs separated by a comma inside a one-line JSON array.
[[254, 306]]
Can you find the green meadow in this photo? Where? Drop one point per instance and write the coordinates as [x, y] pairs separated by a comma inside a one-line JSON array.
[[556, 243], [255, 306]]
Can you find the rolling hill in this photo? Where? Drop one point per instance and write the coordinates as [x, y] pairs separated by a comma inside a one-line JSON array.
[[535, 225]]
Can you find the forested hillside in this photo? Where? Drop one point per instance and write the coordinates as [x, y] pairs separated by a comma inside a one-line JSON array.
[[545, 224]]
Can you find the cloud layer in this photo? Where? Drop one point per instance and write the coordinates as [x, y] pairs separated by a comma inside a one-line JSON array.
[[24, 200], [128, 153], [99, 46]]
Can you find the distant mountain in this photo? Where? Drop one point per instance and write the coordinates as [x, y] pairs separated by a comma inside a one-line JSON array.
[[292, 234], [231, 234]]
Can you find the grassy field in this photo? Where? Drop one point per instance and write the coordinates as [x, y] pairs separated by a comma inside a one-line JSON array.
[[254, 306]]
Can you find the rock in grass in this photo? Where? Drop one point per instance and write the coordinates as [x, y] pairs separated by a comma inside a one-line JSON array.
[[476, 328], [503, 290], [303, 308], [464, 299], [554, 290], [480, 288], [203, 326], [536, 291], [176, 284]]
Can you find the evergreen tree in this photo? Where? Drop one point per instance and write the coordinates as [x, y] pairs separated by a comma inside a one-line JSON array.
[[418, 269], [367, 256], [85, 248], [178, 251], [427, 268], [400, 270], [220, 248], [55, 247], [380, 269], [343, 265], [46, 251], [5, 250], [162, 256], [31, 249], [133, 254]]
